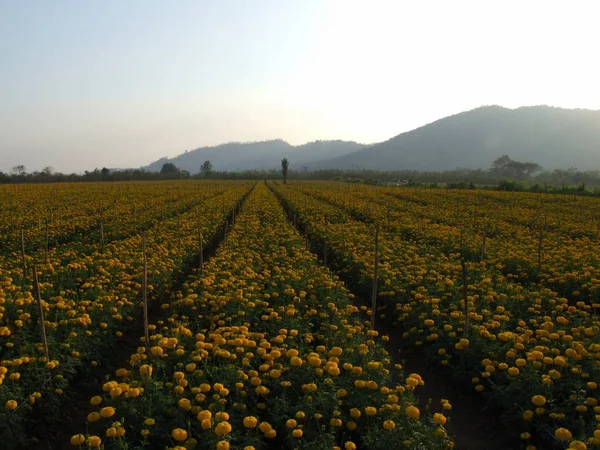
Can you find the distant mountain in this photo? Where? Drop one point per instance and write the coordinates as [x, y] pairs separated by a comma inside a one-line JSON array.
[[551, 137], [257, 155]]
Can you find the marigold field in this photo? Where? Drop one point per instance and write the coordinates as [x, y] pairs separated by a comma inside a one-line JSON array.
[[257, 331]]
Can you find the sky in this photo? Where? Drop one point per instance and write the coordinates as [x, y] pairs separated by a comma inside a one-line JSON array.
[[113, 83]]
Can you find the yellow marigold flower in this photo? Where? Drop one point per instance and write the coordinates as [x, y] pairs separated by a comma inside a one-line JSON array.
[[94, 441], [295, 361], [271, 434], [563, 434], [412, 412], [264, 427], [291, 423], [297, 433], [349, 445], [538, 400], [513, 371], [222, 445], [250, 421], [11, 405], [93, 417], [107, 411], [222, 429], [370, 411], [179, 434], [146, 370], [77, 439], [96, 400], [355, 413], [389, 425], [149, 422], [111, 432], [439, 419]]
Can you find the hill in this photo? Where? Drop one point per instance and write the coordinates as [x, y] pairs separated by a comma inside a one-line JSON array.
[[551, 137], [257, 155]]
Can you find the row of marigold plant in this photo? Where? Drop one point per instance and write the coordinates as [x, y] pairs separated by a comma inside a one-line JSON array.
[[263, 349], [527, 348], [91, 298]]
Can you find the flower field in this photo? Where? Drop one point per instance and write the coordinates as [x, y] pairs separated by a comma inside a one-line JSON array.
[[501, 289], [253, 343]]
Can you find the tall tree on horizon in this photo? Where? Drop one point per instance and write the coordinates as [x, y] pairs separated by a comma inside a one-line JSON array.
[[284, 169]]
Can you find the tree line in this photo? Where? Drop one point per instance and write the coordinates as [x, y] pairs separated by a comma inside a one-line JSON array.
[[504, 173]]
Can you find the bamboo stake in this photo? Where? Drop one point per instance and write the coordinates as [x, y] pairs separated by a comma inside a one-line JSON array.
[[38, 295], [23, 254], [145, 294], [375, 274]]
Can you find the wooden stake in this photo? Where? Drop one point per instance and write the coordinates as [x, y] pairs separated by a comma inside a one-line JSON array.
[[375, 274], [540, 243], [483, 245], [464, 292], [388, 217], [23, 254], [47, 244], [38, 295], [325, 243], [145, 294], [179, 233], [201, 252], [101, 233]]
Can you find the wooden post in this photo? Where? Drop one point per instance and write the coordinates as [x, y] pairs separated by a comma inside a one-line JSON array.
[[388, 217], [101, 232], [145, 294], [38, 295], [325, 243], [179, 233], [201, 252], [47, 244], [23, 253], [375, 274], [483, 245], [540, 243], [464, 292]]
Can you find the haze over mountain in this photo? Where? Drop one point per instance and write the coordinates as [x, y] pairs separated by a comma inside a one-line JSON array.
[[552, 137], [257, 155]]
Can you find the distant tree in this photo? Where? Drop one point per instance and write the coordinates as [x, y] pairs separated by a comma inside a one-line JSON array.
[[516, 169], [169, 169], [47, 171], [206, 169], [284, 169], [104, 173], [19, 170]]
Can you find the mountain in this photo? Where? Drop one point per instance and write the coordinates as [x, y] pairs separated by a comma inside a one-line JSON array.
[[551, 137], [257, 155]]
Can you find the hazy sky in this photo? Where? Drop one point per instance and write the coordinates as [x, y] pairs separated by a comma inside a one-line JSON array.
[[120, 83]]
